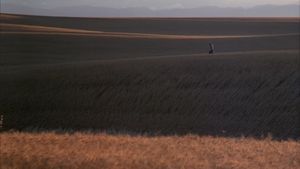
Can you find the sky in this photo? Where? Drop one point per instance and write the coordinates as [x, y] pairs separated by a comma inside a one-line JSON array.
[[152, 4]]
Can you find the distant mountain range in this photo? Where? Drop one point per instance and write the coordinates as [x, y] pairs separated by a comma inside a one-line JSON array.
[[209, 11]]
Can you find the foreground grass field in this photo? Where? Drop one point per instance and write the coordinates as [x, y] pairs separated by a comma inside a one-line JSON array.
[[95, 151], [153, 76]]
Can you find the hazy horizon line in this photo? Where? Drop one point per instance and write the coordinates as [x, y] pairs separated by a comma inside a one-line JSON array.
[[266, 10], [151, 8]]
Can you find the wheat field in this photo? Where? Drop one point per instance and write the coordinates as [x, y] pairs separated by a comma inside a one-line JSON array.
[[104, 151]]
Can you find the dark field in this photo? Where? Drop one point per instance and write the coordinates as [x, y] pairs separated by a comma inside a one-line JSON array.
[[159, 86]]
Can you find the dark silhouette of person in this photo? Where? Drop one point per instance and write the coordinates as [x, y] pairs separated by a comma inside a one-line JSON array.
[[211, 48]]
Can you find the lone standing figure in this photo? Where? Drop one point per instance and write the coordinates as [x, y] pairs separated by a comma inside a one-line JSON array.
[[211, 48]]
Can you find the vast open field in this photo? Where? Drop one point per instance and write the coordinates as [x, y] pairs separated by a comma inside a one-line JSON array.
[[150, 76]]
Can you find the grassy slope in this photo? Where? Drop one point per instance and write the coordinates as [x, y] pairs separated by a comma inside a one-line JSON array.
[[246, 94], [48, 79], [49, 150], [188, 26]]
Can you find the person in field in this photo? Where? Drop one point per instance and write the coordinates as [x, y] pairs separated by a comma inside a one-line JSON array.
[[211, 48]]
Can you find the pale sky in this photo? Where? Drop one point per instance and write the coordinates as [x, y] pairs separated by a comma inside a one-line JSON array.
[[153, 4]]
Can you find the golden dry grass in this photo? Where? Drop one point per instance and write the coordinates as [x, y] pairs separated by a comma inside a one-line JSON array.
[[39, 28], [79, 150], [45, 30], [9, 16]]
